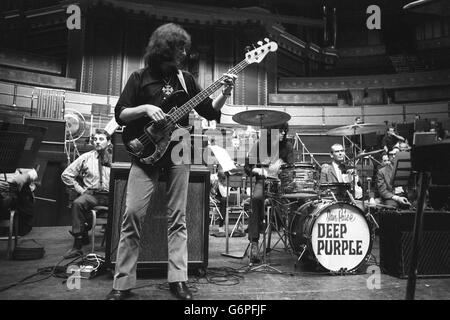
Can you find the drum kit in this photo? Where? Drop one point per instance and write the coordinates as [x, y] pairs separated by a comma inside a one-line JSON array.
[[327, 228]]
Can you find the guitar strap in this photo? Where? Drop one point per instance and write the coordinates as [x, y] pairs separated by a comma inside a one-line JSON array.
[[181, 78]]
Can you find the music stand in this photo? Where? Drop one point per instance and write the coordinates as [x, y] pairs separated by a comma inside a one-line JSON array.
[[227, 165], [12, 145], [32, 143]]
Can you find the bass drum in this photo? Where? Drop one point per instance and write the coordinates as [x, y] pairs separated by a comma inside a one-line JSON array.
[[334, 235]]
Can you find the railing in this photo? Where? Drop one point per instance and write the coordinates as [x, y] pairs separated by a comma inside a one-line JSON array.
[[305, 150]]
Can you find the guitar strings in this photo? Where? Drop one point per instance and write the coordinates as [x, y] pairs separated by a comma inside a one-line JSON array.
[[178, 113]]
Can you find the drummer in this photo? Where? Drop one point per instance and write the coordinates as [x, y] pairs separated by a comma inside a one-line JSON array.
[[337, 171], [262, 166]]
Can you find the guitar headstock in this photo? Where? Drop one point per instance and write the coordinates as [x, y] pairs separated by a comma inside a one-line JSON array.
[[258, 54]]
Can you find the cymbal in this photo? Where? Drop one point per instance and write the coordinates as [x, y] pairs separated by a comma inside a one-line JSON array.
[[355, 129], [365, 154], [261, 117]]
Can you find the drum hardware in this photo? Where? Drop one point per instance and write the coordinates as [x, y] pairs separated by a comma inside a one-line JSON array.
[[370, 216], [276, 207], [367, 154], [301, 254], [264, 265], [262, 118]]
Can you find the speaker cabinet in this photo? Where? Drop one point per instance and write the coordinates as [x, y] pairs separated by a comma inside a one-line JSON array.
[[396, 237], [120, 153], [153, 254]]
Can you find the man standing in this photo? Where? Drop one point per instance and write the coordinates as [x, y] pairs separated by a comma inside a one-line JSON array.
[[138, 104], [89, 176]]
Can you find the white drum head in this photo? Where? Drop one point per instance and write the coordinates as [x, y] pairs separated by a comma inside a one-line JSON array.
[[340, 237]]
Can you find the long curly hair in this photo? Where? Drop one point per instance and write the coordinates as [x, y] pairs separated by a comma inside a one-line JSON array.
[[164, 42]]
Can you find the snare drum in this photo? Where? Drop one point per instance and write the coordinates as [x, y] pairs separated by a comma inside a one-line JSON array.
[[300, 178], [333, 235]]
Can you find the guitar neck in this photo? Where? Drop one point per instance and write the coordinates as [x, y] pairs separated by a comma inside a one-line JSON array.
[[197, 99]]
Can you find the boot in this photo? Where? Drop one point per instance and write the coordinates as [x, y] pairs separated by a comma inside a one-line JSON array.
[[76, 250]]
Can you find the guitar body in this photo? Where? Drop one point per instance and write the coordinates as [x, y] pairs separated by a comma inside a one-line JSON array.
[[149, 140]]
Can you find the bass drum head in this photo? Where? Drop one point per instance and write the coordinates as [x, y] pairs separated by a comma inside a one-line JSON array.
[[337, 235], [297, 238]]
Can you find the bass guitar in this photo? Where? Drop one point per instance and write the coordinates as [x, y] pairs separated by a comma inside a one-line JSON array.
[[151, 143]]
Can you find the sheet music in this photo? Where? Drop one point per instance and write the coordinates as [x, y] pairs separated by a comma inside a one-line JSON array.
[[223, 157]]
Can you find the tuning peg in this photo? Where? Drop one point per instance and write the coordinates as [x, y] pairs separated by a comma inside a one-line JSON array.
[[248, 48], [260, 43], [266, 40]]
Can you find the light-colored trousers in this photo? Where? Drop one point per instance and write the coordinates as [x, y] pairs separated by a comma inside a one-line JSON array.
[[141, 185]]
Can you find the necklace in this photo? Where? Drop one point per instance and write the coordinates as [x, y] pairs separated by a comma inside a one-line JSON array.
[[167, 89]]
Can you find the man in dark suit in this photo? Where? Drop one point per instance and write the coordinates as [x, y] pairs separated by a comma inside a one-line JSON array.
[[336, 171], [385, 186]]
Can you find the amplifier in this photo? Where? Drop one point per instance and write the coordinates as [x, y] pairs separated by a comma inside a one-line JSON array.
[[396, 237], [153, 251], [120, 153]]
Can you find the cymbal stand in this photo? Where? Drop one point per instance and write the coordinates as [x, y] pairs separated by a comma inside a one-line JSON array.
[[265, 265]]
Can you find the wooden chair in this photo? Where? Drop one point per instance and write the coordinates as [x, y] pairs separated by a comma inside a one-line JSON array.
[[99, 218]]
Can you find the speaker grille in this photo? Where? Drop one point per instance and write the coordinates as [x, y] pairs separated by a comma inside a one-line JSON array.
[[396, 242], [434, 253]]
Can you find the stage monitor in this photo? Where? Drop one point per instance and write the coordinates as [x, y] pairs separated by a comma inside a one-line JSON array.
[[32, 143]]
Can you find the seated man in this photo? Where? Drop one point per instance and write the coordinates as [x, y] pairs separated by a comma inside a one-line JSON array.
[[389, 195], [89, 176], [17, 193], [337, 171], [255, 166]]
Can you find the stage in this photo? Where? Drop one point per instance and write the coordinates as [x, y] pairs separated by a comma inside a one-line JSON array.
[[225, 279]]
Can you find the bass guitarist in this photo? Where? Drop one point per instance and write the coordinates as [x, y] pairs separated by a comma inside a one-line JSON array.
[[143, 100]]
